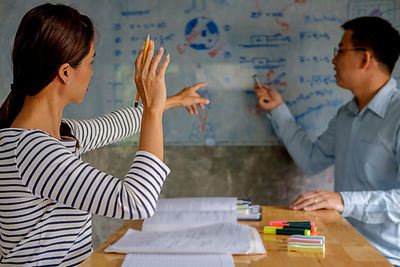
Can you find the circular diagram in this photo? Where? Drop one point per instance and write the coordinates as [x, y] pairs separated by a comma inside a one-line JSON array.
[[202, 33]]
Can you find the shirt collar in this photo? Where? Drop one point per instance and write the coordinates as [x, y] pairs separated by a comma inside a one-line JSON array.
[[380, 102]]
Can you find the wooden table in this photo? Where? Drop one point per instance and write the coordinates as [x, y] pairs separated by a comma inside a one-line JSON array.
[[344, 245]]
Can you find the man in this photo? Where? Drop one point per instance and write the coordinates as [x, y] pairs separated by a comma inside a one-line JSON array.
[[362, 140]]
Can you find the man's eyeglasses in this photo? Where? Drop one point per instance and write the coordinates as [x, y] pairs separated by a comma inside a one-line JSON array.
[[337, 50]]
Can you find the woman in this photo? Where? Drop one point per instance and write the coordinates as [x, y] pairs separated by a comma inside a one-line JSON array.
[[47, 191]]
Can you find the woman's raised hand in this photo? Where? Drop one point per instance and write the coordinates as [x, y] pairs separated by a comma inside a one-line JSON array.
[[150, 83], [150, 78]]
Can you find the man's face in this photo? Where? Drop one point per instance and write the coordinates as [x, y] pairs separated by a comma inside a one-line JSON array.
[[346, 62]]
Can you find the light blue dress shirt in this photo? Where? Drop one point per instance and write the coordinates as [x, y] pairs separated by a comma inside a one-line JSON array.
[[365, 149]]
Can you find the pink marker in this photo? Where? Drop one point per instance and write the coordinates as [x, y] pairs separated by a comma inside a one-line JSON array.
[[279, 223]]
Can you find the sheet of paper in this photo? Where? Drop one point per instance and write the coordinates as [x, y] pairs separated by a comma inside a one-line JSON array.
[[197, 204], [256, 244], [180, 213], [216, 238], [178, 220], [178, 260]]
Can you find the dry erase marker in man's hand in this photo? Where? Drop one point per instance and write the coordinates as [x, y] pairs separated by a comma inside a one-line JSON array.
[[146, 47], [257, 80]]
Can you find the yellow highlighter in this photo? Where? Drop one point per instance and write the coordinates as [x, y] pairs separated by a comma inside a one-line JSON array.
[[273, 230], [146, 47]]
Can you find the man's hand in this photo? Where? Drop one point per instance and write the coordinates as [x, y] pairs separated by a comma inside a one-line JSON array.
[[188, 98], [268, 97], [318, 200]]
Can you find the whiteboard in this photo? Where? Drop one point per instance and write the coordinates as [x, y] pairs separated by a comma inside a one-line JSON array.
[[288, 43]]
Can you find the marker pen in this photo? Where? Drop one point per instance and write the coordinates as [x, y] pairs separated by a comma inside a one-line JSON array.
[[312, 229], [257, 80], [272, 223], [297, 226], [285, 231]]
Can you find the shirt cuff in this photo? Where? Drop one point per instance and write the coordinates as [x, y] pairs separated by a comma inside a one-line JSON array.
[[354, 204], [279, 113]]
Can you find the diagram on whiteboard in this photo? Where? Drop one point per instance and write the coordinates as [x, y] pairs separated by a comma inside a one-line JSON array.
[[287, 43]]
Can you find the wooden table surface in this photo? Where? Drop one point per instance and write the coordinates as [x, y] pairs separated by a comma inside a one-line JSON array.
[[344, 246]]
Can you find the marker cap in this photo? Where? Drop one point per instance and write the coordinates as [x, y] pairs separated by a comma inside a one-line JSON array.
[[270, 231], [314, 229]]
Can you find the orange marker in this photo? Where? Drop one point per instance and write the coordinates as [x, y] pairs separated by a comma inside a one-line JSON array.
[[146, 47]]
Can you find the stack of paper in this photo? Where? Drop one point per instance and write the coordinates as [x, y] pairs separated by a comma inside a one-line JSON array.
[[216, 238], [301, 243], [191, 226]]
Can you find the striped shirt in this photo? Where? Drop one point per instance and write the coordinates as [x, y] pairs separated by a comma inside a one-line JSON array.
[[47, 192]]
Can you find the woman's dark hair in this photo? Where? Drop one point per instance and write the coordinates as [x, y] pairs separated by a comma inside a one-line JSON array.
[[378, 36], [47, 37]]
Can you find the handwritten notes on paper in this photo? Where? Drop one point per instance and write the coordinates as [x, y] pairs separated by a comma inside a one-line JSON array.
[[217, 238], [197, 204], [176, 220], [178, 260], [182, 213], [190, 226]]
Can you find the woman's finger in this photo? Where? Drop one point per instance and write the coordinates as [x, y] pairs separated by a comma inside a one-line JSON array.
[[189, 110], [149, 56], [156, 60], [138, 62], [196, 86], [194, 108], [164, 65]]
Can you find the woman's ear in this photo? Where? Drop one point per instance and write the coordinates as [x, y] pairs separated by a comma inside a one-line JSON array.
[[64, 73]]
